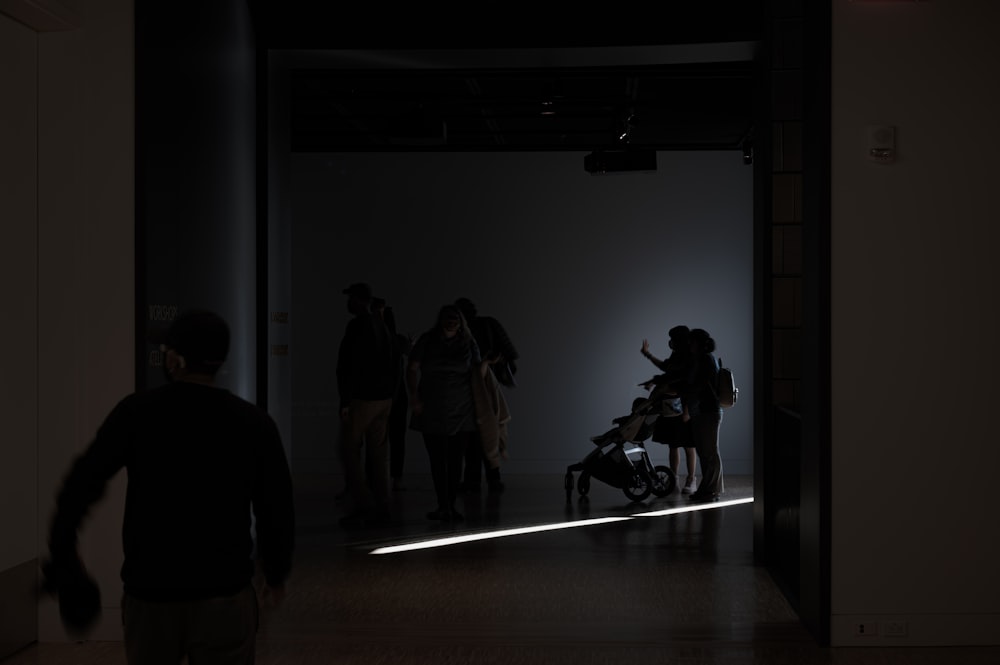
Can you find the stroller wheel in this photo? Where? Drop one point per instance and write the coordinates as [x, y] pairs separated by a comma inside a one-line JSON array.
[[638, 487], [664, 482], [583, 484]]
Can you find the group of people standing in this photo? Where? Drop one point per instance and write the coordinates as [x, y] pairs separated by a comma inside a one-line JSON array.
[[449, 380], [691, 373]]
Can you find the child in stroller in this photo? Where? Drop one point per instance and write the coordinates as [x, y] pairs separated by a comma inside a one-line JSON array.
[[621, 460]]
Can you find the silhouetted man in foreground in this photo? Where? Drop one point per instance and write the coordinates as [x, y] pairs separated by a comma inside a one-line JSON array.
[[205, 469]]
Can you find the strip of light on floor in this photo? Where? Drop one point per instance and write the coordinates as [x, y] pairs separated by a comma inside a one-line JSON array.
[[487, 535], [503, 533], [698, 506]]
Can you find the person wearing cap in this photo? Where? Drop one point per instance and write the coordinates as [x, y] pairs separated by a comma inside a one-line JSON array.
[[367, 377], [208, 510]]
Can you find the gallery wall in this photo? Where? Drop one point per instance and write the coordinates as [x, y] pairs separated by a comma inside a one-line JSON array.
[[913, 245], [579, 268]]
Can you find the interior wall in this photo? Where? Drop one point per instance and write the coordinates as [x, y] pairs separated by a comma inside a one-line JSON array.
[[578, 268], [18, 366], [279, 250], [86, 271], [914, 272]]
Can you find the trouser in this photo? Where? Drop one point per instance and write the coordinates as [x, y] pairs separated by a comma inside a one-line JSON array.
[[213, 631], [705, 430], [445, 453], [475, 462], [397, 434], [363, 444]]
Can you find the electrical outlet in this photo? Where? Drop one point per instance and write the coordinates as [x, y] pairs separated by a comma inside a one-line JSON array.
[[866, 629], [894, 628]]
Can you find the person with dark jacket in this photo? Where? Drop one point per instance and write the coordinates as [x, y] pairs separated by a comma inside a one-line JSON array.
[[208, 504], [699, 396], [367, 376]]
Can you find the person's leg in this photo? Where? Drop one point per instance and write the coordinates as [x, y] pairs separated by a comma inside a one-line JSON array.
[[352, 457], [223, 631], [705, 429], [493, 480], [691, 460], [437, 457], [454, 452], [397, 438], [154, 632], [473, 464], [675, 460], [376, 413]]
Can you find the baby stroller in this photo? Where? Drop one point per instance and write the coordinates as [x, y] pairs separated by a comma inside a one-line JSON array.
[[621, 460]]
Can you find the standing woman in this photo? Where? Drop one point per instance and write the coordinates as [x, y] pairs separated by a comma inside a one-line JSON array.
[[706, 414], [675, 430], [439, 379]]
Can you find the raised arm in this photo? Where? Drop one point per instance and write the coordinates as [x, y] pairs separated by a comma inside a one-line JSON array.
[[660, 364]]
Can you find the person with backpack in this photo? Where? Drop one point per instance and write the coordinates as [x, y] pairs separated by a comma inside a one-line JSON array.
[[700, 396]]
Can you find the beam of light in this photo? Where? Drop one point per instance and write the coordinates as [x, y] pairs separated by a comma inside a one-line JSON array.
[[693, 508], [488, 535]]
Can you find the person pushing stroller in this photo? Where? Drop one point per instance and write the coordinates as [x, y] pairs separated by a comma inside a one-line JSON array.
[[673, 427]]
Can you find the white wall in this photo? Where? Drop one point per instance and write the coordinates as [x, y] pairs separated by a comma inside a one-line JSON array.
[[915, 278], [19, 293], [85, 272], [578, 268]]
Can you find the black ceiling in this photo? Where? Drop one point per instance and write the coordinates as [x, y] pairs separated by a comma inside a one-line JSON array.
[[509, 81]]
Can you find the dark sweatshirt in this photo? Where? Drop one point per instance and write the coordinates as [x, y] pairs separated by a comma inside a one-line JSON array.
[[202, 465]]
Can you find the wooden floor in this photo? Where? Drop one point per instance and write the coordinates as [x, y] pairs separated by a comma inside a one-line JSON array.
[[678, 588]]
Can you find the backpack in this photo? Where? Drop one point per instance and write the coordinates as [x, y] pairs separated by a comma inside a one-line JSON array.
[[726, 390]]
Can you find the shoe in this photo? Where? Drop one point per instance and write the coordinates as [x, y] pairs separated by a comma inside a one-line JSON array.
[[699, 497], [689, 486]]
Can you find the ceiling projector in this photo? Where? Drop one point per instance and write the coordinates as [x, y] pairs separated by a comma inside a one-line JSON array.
[[601, 162]]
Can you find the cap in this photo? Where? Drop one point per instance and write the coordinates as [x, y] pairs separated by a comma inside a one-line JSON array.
[[359, 290]]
